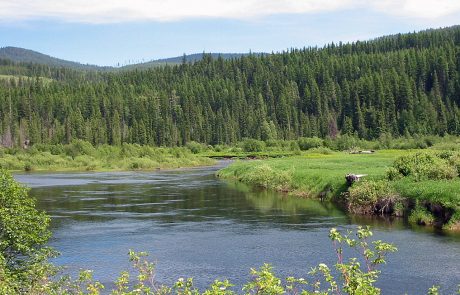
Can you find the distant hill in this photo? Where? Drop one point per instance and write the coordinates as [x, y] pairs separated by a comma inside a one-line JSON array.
[[191, 58], [17, 54]]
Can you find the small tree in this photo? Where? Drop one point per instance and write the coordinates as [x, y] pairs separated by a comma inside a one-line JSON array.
[[23, 232]]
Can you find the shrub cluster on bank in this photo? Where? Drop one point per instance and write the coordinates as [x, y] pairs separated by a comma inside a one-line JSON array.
[[422, 184], [81, 155], [344, 142], [397, 183]]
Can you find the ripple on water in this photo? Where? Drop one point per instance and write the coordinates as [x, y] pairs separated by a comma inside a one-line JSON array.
[[195, 225]]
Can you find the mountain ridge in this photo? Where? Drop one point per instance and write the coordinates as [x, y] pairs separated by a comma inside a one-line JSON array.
[[23, 55]]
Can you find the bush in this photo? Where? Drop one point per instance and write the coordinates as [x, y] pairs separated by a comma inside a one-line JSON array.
[[454, 161], [371, 197], [346, 142], [195, 147], [306, 143], [294, 147], [219, 148], [421, 216], [79, 147], [23, 230], [28, 167], [393, 174], [57, 149], [424, 165], [265, 176], [253, 145]]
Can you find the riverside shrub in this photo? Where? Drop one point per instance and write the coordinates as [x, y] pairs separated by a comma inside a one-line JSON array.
[[369, 197], [423, 166], [253, 145], [306, 143], [23, 233], [265, 176]]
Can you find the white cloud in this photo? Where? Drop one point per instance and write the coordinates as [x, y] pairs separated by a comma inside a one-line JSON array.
[[425, 9], [108, 11]]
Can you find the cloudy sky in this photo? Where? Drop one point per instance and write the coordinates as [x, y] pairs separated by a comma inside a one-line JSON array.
[[108, 32]]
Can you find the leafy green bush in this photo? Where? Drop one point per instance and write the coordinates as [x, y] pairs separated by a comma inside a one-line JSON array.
[[454, 160], [306, 143], [265, 176], [79, 147], [253, 145], [24, 230], [393, 174], [423, 165], [370, 197], [195, 147], [56, 149]]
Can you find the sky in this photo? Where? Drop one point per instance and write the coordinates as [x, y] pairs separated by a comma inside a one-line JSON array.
[[118, 32]]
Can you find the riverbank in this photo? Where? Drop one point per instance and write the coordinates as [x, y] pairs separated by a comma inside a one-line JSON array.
[[82, 156], [421, 186]]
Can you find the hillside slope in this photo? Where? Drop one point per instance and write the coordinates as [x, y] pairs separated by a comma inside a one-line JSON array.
[[22, 55], [393, 86]]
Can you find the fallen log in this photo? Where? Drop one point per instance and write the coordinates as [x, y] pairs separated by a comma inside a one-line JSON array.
[[362, 152]]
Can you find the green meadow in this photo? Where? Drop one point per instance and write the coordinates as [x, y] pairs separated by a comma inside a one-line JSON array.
[[311, 173], [421, 184]]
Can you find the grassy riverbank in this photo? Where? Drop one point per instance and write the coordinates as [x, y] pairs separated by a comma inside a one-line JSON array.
[[427, 194], [82, 156], [311, 173]]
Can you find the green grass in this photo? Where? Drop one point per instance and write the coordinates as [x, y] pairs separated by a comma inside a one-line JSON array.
[[82, 156], [312, 173], [444, 192], [244, 155]]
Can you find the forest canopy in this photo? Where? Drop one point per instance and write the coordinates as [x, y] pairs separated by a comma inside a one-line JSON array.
[[398, 85]]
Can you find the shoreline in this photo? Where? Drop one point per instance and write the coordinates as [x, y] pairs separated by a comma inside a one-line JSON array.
[[78, 170], [323, 177]]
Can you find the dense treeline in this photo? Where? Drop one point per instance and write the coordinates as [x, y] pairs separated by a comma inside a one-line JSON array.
[[397, 85]]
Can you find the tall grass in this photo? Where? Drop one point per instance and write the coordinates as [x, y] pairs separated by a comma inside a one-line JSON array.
[[81, 155]]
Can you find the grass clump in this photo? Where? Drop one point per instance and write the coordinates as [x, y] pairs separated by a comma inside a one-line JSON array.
[[372, 197], [454, 222], [421, 216], [265, 176]]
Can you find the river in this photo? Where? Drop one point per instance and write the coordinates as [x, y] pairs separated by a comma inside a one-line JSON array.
[[196, 225]]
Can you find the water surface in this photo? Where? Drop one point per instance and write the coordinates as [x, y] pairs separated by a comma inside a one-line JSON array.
[[195, 225]]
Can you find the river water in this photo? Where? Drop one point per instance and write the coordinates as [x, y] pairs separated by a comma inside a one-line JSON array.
[[196, 225]]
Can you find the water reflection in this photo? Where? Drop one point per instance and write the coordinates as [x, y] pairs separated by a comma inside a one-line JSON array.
[[196, 225]]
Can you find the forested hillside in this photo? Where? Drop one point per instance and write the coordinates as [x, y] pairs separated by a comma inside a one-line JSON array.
[[398, 85], [190, 58], [17, 54]]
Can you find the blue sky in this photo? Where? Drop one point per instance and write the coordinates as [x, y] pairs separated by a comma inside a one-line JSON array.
[[119, 31]]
